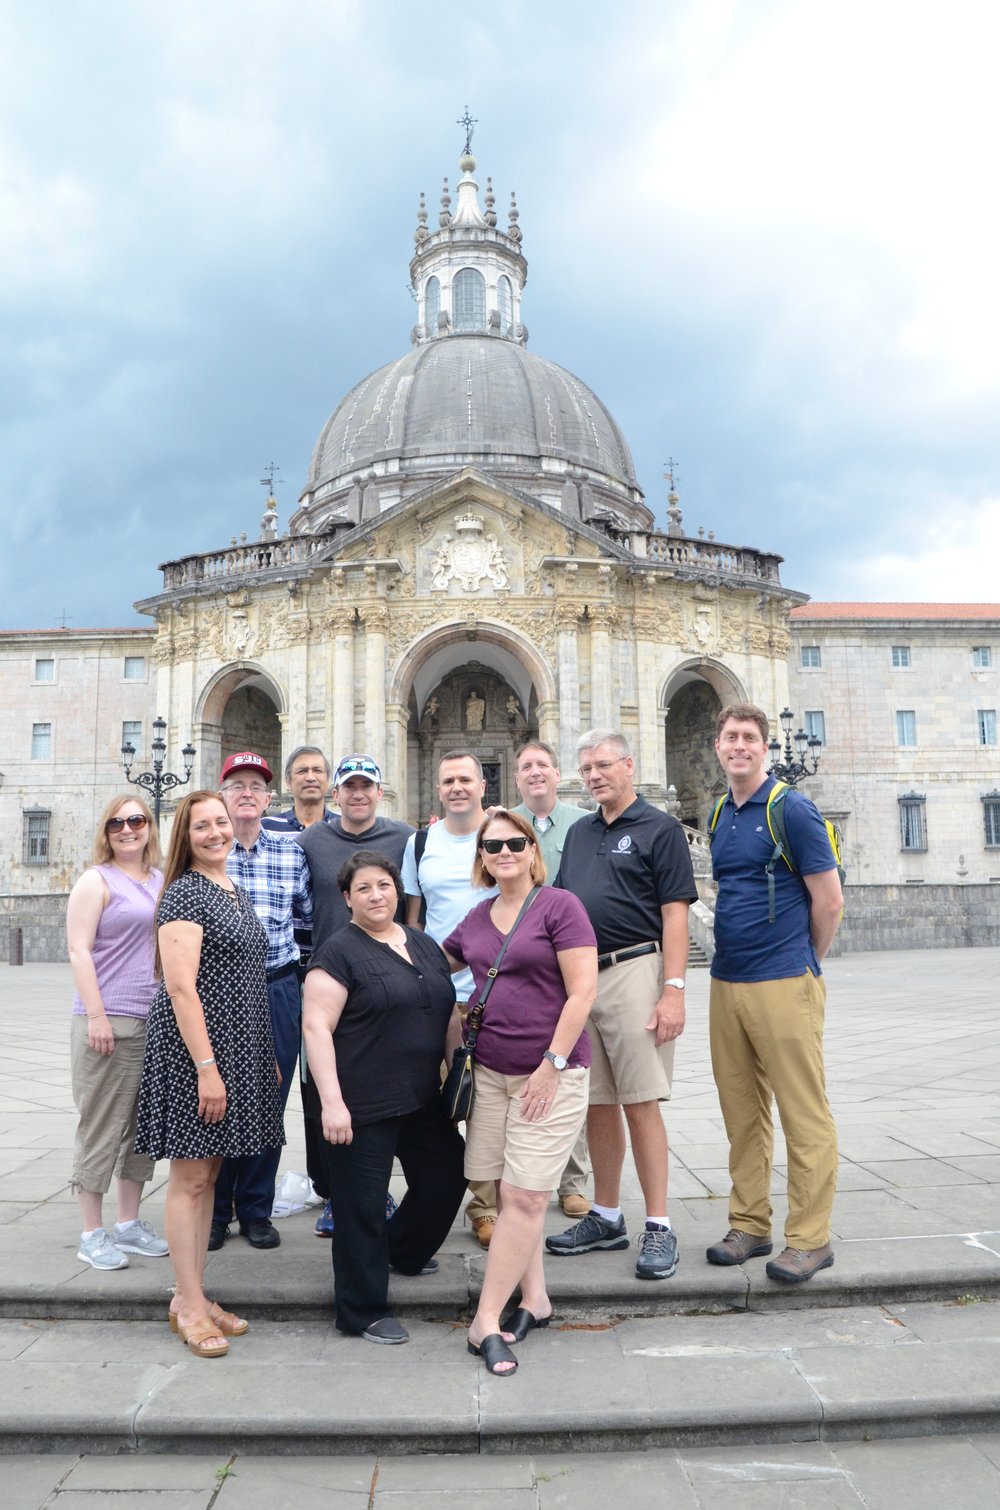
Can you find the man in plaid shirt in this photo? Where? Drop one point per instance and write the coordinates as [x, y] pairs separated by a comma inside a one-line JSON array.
[[275, 873]]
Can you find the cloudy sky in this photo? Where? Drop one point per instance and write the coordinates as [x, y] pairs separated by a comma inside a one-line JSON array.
[[766, 232]]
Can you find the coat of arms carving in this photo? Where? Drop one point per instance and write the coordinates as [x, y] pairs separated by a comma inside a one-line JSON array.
[[469, 556]]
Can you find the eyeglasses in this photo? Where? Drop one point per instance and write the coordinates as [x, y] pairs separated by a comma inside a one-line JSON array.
[[257, 788], [600, 766], [494, 846], [358, 766], [135, 821]]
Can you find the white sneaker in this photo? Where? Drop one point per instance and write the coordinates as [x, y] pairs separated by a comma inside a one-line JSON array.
[[139, 1237], [99, 1252]]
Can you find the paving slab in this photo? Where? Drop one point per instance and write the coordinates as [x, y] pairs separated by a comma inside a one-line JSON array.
[[27, 1480], [906, 1390], [942, 1472]]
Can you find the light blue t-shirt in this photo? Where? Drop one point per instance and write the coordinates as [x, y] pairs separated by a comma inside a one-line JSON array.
[[445, 883]]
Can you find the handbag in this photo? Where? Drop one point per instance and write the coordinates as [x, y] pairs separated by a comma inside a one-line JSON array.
[[459, 1088]]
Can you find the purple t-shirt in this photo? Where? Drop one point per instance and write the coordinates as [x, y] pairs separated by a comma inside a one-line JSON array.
[[528, 995]]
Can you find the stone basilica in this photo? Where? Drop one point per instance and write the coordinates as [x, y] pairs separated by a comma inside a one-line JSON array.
[[471, 561]]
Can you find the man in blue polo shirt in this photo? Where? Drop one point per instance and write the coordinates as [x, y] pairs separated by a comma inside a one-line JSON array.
[[630, 865], [767, 1004]]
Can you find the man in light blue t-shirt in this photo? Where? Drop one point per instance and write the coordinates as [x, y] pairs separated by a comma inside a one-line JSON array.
[[441, 878]]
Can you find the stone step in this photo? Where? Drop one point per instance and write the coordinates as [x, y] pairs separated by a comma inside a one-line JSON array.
[[297, 1386]]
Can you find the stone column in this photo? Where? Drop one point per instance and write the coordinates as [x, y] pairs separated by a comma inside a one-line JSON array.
[[393, 760], [650, 753], [341, 622], [603, 702], [375, 619], [567, 661]]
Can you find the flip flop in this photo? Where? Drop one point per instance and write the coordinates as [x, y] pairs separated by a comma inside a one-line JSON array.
[[521, 1322], [198, 1340], [494, 1350], [226, 1323]]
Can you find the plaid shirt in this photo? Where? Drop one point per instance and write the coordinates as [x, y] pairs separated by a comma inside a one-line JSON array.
[[275, 873]]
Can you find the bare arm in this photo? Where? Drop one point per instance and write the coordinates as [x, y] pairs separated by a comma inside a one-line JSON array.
[[87, 902], [413, 912], [180, 952], [323, 1001], [667, 1020], [826, 904], [579, 972]]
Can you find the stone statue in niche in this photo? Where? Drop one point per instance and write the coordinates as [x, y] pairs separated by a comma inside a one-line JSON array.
[[475, 707]]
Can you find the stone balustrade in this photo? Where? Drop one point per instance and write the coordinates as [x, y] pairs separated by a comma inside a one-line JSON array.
[[701, 850], [711, 556], [248, 559]]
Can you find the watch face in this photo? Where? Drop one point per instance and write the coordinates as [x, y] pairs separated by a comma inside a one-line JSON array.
[[558, 1060]]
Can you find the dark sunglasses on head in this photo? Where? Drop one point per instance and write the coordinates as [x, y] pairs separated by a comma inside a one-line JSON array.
[[134, 821], [494, 846], [358, 768]]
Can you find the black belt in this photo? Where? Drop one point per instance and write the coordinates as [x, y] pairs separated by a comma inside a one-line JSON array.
[[290, 969], [605, 961]]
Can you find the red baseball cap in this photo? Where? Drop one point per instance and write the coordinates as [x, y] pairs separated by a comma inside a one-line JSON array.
[[246, 760]]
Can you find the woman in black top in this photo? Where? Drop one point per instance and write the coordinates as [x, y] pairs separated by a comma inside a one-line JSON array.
[[379, 1016]]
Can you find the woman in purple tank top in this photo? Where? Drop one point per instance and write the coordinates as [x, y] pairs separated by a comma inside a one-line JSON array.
[[109, 931]]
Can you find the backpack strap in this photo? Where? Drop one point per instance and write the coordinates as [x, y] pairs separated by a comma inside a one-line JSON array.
[[778, 829], [419, 845]]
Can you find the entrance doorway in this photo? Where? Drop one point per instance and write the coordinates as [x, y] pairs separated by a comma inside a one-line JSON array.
[[473, 707]]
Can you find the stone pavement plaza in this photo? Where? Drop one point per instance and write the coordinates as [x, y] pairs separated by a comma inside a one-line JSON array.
[[877, 1384]]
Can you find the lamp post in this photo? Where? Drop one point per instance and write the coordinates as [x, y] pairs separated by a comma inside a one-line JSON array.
[[788, 765], [157, 781]]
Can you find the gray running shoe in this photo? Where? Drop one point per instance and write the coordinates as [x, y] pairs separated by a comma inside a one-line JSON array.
[[588, 1235], [657, 1253], [388, 1331], [139, 1237], [99, 1252]]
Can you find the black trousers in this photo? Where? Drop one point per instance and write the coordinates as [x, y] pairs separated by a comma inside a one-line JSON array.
[[431, 1152]]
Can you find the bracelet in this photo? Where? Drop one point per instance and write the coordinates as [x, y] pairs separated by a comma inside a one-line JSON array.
[[201, 1063]]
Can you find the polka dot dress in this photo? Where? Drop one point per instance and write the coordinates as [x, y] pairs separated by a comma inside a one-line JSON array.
[[232, 986]]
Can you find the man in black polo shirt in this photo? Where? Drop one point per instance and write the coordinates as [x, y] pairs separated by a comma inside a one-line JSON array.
[[630, 865]]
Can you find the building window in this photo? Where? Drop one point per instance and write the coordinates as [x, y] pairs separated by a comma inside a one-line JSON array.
[[45, 669], [35, 841], [991, 819], [982, 658], [900, 655], [432, 303], [987, 726], [815, 724], [810, 655], [906, 728], [41, 741], [912, 821], [505, 304], [468, 300], [132, 734], [135, 668]]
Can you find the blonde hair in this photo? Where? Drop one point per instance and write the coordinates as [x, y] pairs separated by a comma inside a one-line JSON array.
[[480, 875], [103, 854]]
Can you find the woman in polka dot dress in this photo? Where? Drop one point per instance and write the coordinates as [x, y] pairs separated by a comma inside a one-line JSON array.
[[209, 1083]]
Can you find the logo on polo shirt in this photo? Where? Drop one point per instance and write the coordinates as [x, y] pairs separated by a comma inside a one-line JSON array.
[[624, 844]]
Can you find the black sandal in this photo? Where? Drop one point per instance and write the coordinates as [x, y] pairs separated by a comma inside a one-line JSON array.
[[494, 1350], [521, 1322]]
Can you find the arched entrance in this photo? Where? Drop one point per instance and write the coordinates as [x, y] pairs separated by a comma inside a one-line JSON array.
[[693, 696], [240, 710]]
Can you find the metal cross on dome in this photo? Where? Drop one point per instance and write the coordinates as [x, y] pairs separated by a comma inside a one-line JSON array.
[[470, 125]]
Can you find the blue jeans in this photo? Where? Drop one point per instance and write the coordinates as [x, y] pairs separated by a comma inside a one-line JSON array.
[[248, 1183]]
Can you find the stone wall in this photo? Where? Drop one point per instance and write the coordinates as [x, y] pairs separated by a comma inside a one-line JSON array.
[[42, 920], [919, 917]]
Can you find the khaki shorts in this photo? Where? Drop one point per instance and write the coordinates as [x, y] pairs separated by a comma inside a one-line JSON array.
[[106, 1094], [501, 1145], [628, 1068]]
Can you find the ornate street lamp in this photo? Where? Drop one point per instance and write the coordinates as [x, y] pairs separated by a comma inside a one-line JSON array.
[[793, 766], [157, 781]]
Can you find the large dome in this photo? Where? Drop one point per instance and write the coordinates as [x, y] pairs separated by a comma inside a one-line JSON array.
[[470, 393]]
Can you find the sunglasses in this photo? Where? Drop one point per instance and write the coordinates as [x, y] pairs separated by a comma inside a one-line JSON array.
[[358, 768], [494, 846], [134, 820]]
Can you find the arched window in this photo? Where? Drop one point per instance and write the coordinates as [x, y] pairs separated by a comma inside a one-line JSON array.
[[505, 301], [468, 300], [432, 303]]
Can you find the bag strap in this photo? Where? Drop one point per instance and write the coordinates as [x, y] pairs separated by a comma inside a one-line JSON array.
[[475, 1017]]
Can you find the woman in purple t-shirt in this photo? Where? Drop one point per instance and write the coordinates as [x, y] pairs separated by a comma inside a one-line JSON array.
[[109, 931], [532, 1068]]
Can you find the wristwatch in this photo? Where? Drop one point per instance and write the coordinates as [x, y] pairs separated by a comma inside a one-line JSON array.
[[558, 1060], [677, 982]]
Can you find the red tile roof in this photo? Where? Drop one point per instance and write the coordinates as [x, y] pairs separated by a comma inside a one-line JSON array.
[[896, 611]]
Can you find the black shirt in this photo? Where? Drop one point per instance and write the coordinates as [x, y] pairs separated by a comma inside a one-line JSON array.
[[625, 871], [389, 1041]]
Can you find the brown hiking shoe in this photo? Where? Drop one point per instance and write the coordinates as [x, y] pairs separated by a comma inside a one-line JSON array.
[[796, 1264], [737, 1246]]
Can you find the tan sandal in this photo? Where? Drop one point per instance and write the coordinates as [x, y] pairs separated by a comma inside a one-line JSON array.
[[225, 1321], [203, 1339]]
